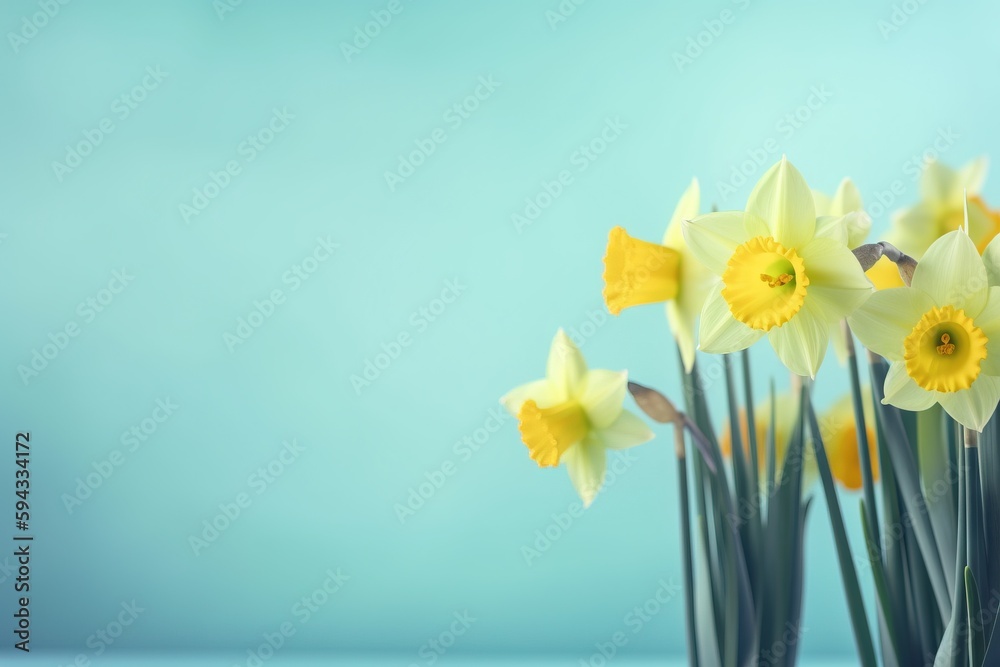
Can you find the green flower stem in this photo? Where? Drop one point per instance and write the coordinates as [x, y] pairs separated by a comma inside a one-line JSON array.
[[682, 485]]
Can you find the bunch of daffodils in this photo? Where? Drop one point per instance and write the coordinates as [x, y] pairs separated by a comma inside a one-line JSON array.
[[794, 266]]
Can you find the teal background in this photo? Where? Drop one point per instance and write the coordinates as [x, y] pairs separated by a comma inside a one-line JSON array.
[[334, 506]]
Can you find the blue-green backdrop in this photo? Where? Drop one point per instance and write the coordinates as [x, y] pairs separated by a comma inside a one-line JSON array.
[[204, 150]]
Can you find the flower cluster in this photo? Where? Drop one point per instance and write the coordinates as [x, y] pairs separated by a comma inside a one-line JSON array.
[[789, 267]]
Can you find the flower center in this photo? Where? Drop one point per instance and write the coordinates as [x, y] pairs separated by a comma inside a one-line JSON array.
[[944, 350], [638, 272], [764, 284], [549, 432]]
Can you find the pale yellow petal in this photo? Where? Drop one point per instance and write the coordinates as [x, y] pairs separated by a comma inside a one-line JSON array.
[[603, 396], [801, 342], [586, 463], [719, 332], [916, 229], [888, 317], [972, 176], [628, 430], [974, 406], [832, 227], [540, 391], [837, 285], [951, 272], [846, 199], [823, 204], [902, 392], [687, 209], [938, 183], [781, 206], [713, 237], [566, 367]]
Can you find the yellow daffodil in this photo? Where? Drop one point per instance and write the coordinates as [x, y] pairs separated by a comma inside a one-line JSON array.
[[574, 415], [840, 437], [941, 334], [638, 272], [941, 209], [845, 200], [784, 273]]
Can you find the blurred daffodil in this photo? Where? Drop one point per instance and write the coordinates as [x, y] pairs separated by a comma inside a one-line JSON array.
[[786, 414], [574, 415], [784, 272], [941, 210], [845, 201], [941, 334], [639, 272], [840, 437]]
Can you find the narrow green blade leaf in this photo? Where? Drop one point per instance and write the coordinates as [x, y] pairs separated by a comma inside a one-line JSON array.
[[852, 590], [977, 642]]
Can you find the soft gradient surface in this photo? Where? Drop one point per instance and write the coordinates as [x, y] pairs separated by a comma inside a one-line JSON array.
[[277, 139]]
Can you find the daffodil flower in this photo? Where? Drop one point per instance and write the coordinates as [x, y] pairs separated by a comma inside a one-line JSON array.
[[941, 335], [784, 273], [845, 201], [840, 437], [941, 209], [574, 415], [638, 272]]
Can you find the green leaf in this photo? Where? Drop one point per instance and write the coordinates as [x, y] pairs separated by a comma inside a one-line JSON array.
[[852, 590], [977, 642], [901, 459], [689, 583], [881, 588]]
